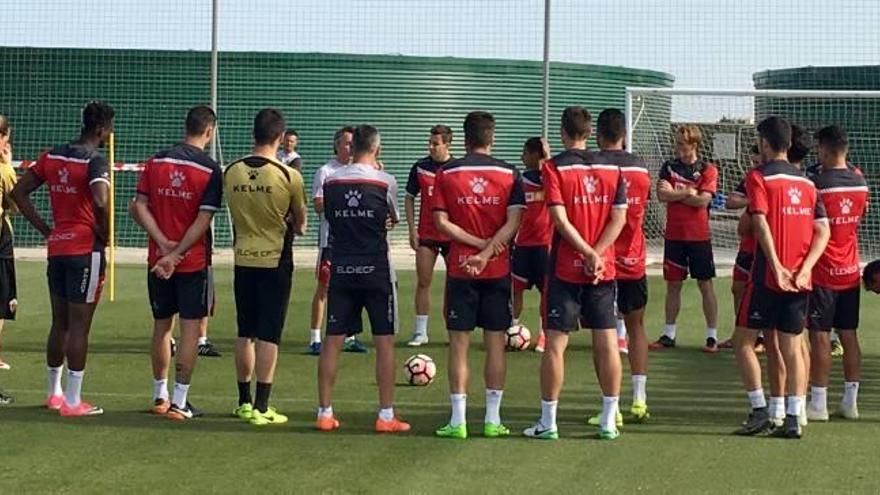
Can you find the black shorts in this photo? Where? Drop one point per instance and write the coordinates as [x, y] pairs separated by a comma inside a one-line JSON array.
[[573, 306], [261, 299], [189, 294], [472, 303], [767, 309], [8, 289], [529, 267], [837, 309], [683, 257], [77, 279], [439, 247], [345, 306], [632, 295]]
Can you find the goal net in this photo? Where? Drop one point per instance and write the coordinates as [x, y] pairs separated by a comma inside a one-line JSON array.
[[727, 120]]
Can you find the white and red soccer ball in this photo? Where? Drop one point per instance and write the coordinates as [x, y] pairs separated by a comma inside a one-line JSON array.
[[419, 370], [518, 338]]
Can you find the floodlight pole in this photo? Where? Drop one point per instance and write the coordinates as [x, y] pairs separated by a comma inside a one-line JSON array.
[[545, 104], [214, 69]]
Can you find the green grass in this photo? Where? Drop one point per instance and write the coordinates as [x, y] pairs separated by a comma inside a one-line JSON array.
[[696, 401]]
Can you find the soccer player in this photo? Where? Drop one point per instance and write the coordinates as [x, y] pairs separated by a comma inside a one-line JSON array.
[[792, 231], [359, 200], [424, 237], [8, 292], [267, 204], [79, 189], [532, 245], [288, 154], [342, 149], [178, 193], [834, 302], [630, 254], [586, 195], [687, 185], [478, 204]]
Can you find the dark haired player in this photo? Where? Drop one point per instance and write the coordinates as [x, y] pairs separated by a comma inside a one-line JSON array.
[[479, 203], [586, 195], [792, 231], [424, 238], [359, 200], [834, 303], [77, 175], [288, 155], [267, 204], [178, 193], [532, 245]]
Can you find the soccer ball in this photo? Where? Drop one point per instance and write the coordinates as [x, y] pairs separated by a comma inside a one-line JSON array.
[[419, 370], [518, 338]]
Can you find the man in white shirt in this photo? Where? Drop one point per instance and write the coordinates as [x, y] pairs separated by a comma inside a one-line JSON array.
[[288, 154]]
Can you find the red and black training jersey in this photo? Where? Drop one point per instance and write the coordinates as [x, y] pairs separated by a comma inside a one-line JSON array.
[[629, 249], [536, 228], [421, 182], [748, 243], [684, 222], [844, 193], [69, 170], [476, 192], [589, 189], [178, 183], [791, 203]]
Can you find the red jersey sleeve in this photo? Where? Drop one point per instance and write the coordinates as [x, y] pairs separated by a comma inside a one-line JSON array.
[[550, 179], [517, 195], [756, 193], [439, 194], [39, 168], [620, 195], [214, 192], [143, 184], [708, 180]]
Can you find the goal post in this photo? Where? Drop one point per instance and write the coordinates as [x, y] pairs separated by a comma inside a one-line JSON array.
[[727, 120]]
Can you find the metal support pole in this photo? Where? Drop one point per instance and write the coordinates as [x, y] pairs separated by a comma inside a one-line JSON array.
[[545, 104], [628, 112], [214, 69]]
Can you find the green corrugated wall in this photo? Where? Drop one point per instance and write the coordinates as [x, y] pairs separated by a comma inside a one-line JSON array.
[[43, 90]]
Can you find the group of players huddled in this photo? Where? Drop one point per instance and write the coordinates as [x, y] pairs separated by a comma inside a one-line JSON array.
[[570, 225]]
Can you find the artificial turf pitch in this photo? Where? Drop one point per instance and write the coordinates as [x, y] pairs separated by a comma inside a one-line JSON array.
[[695, 399]]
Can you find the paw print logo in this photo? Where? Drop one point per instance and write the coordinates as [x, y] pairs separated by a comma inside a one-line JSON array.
[[177, 178], [63, 175], [846, 205], [253, 174], [353, 198], [478, 185], [794, 194], [590, 184]]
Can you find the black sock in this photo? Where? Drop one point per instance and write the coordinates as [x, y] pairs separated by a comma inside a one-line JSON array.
[[263, 391], [244, 393]]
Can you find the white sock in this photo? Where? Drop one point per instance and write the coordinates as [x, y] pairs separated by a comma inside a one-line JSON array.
[[639, 392], [493, 406], [349, 338], [315, 336], [55, 380], [834, 337], [712, 333], [548, 413], [160, 389], [621, 329], [203, 340], [180, 391], [669, 330], [756, 398], [459, 409], [325, 412], [850, 393], [608, 420], [422, 324], [777, 407], [795, 405], [514, 322], [74, 387], [819, 398], [386, 413]]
